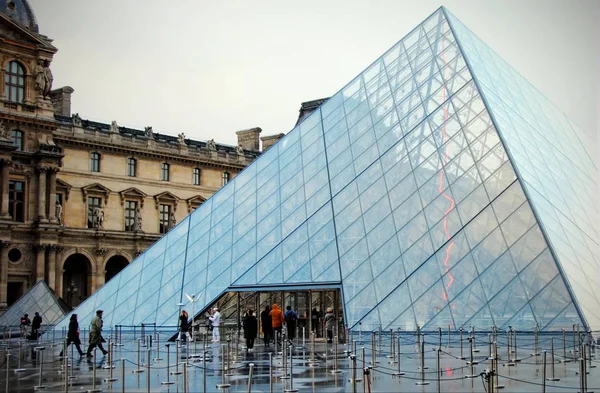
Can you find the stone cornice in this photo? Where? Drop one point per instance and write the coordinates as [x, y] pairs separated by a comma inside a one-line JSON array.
[[137, 151]]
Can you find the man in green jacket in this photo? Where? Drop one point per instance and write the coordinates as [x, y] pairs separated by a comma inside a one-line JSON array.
[[96, 334]]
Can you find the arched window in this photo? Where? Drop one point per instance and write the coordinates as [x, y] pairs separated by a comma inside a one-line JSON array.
[[14, 82], [17, 137], [164, 171]]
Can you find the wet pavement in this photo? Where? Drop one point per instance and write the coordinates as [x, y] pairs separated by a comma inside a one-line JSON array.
[[228, 363]]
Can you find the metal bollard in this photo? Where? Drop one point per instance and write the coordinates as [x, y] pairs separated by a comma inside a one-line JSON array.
[[553, 378], [391, 354], [148, 370], [122, 375], [439, 372], [380, 339], [139, 358], [168, 381], [461, 345], [204, 372], [185, 381], [422, 381], [291, 388], [157, 358], [8, 355], [284, 359], [544, 372], [536, 351], [94, 389], [40, 351], [448, 346], [373, 350], [251, 365], [223, 384], [497, 384], [515, 359], [312, 362], [110, 372], [399, 372], [360, 333], [19, 369], [271, 371], [475, 349], [335, 357], [439, 338], [176, 372]]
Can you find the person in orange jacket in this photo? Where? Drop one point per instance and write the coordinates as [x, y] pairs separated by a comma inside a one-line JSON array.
[[277, 321]]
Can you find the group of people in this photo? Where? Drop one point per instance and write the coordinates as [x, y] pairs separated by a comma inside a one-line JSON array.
[[36, 324], [214, 321], [95, 339]]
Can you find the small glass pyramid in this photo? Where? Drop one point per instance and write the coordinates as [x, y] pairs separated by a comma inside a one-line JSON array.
[[436, 188]]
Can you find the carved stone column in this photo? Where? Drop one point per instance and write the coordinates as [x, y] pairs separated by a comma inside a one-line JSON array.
[[40, 270], [51, 268], [42, 194], [52, 195], [57, 270], [5, 178], [4, 246]]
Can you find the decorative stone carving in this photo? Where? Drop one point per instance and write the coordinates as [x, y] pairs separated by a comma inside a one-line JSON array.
[[181, 139], [4, 134], [101, 251], [172, 220], [211, 145], [138, 219], [139, 252], [59, 212], [239, 150], [40, 78], [149, 132], [76, 120], [49, 79], [114, 127], [98, 217]]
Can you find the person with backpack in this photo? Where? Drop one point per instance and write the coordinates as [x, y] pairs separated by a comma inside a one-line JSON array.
[[277, 321], [329, 322], [291, 319]]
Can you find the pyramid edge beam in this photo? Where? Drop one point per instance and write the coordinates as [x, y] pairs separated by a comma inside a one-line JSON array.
[[517, 173]]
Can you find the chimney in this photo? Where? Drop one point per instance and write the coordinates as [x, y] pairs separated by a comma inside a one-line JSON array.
[[249, 139], [268, 141], [61, 100]]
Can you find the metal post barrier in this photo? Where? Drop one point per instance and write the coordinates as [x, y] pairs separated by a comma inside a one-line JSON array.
[[19, 369], [251, 365], [448, 346], [40, 357], [536, 351], [399, 372], [422, 381], [143, 335], [353, 380], [139, 368], [110, 372], [223, 384], [475, 349], [373, 350], [291, 388], [516, 358], [312, 362], [176, 372], [590, 365], [94, 389], [380, 340], [122, 375], [472, 361], [360, 333], [582, 388], [303, 337], [148, 370], [335, 357], [497, 384], [461, 357], [564, 340], [544, 372], [439, 372], [284, 358], [553, 378], [7, 370], [439, 338], [204, 371], [271, 370], [157, 358], [108, 363], [168, 381], [391, 354], [185, 381]]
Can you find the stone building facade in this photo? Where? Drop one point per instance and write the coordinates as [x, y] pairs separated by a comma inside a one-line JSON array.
[[79, 199]]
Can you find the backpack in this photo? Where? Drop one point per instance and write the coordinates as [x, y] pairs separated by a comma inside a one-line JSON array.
[[290, 315]]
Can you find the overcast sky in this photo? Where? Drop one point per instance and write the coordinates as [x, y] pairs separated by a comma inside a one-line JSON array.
[[209, 68]]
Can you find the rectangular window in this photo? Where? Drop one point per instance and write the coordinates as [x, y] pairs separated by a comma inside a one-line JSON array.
[[95, 162], [16, 200], [93, 204], [196, 176], [18, 139], [225, 178], [131, 167], [164, 171], [59, 198], [130, 209], [165, 215]]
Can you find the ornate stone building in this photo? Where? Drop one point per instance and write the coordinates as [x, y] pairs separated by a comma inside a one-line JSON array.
[[81, 199]]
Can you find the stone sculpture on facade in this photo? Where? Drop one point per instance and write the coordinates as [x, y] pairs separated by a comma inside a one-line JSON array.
[[43, 78], [149, 132], [138, 219], [98, 217], [3, 131], [49, 78], [59, 212], [172, 221], [114, 127], [76, 119], [211, 145], [239, 150], [181, 138]]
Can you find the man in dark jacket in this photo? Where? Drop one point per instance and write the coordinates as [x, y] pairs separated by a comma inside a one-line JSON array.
[[290, 320], [35, 326], [267, 327]]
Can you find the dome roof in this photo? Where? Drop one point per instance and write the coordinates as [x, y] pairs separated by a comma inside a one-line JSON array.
[[21, 12]]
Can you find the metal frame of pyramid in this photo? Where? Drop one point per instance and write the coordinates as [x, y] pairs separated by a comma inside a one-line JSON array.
[[422, 189]]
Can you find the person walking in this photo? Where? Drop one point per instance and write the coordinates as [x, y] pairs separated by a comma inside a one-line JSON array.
[[267, 326], [215, 318], [36, 324], [250, 326], [277, 321], [73, 335], [329, 322], [291, 319], [96, 334], [184, 326]]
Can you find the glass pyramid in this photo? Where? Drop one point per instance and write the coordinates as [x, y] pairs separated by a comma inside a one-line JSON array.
[[40, 298], [437, 188]]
